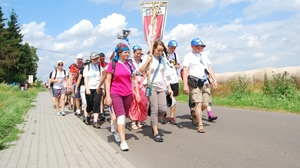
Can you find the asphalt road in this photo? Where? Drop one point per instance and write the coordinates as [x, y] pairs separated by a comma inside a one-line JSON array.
[[239, 138]]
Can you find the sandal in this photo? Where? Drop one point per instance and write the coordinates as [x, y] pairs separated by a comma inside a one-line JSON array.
[[158, 138], [140, 126], [133, 126], [201, 129]]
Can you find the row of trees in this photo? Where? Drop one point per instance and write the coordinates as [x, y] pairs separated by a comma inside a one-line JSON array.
[[17, 59]]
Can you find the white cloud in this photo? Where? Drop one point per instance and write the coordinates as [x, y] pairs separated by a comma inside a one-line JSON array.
[[249, 39], [35, 33], [112, 24], [80, 30]]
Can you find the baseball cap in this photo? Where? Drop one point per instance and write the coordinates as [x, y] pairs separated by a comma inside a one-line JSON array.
[[172, 43], [59, 61], [94, 55], [79, 56], [197, 42], [101, 55], [171, 101]]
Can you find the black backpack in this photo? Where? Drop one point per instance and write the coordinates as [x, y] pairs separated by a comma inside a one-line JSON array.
[[56, 73]]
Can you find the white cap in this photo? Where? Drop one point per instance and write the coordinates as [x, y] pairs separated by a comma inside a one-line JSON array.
[[79, 56], [171, 101]]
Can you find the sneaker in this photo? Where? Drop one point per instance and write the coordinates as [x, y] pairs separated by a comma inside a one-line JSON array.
[[96, 125], [58, 113], [212, 118], [63, 113], [102, 117], [88, 120], [112, 128], [78, 112], [124, 146], [117, 137], [163, 120], [133, 126], [140, 125], [172, 121], [84, 120]]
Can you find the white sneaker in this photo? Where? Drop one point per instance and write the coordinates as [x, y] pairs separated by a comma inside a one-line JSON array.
[[63, 113], [58, 113], [117, 137], [78, 112], [112, 128], [124, 146]]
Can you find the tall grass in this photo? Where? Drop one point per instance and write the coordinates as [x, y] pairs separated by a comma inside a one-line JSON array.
[[14, 104]]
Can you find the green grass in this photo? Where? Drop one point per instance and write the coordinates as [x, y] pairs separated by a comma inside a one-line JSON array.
[[14, 104], [239, 93], [259, 101]]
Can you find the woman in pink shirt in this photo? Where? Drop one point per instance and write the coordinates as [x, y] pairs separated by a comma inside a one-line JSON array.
[[120, 73]]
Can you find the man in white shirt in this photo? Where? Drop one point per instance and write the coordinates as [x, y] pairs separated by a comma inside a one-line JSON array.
[[196, 71], [172, 77]]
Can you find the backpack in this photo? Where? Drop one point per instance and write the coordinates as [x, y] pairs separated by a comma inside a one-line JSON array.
[[175, 58], [129, 61], [98, 67], [56, 73], [76, 73]]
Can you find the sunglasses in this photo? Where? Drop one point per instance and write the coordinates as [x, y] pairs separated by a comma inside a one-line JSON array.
[[79, 59], [60, 64]]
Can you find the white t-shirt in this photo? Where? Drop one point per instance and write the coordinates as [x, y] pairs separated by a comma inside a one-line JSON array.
[[172, 75], [196, 63], [92, 73], [160, 80], [60, 75]]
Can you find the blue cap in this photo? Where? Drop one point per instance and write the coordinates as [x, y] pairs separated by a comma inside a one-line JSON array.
[[172, 43], [136, 47], [197, 42]]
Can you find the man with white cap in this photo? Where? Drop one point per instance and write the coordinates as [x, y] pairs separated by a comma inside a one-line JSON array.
[[74, 73], [172, 77], [60, 79], [196, 73]]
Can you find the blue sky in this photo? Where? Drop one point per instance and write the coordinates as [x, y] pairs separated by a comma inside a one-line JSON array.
[[240, 35]]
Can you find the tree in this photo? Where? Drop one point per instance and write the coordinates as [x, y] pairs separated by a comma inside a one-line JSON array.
[[3, 45], [27, 64], [17, 60]]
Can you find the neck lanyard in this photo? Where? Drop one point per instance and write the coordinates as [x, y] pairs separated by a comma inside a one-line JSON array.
[[200, 58]]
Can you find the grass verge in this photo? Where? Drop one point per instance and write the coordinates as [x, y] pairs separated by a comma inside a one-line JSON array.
[[238, 93], [14, 104]]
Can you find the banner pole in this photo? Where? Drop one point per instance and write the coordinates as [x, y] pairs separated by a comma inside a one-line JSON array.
[[152, 41]]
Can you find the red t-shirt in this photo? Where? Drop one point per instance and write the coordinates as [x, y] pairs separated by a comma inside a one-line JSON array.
[[75, 71]]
